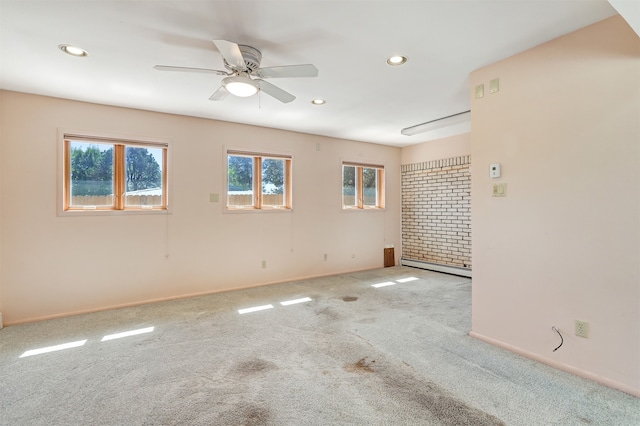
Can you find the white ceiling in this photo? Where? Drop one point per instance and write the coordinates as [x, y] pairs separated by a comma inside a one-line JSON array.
[[347, 40]]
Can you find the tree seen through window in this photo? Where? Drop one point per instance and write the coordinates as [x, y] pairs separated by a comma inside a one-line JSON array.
[[256, 181], [114, 176], [92, 169]]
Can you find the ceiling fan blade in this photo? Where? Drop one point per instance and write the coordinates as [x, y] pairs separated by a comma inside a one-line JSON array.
[[276, 92], [231, 53], [219, 94], [188, 69], [306, 70]]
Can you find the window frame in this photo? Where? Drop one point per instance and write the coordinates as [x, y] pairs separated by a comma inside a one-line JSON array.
[[119, 145], [257, 158], [359, 186]]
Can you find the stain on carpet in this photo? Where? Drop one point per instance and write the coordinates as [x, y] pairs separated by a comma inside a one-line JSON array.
[[329, 313], [443, 406], [254, 366], [246, 414], [255, 415], [360, 367], [436, 404], [349, 298]]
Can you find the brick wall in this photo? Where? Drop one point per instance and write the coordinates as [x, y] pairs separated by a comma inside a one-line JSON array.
[[436, 211]]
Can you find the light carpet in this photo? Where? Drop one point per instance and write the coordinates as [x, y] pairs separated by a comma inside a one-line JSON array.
[[397, 354]]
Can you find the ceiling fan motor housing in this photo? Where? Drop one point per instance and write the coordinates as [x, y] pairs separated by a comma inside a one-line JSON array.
[[252, 58]]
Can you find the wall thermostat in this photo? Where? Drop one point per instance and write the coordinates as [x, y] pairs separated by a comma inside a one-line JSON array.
[[494, 170]]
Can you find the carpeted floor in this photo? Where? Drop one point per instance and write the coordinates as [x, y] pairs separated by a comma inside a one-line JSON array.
[[354, 354]]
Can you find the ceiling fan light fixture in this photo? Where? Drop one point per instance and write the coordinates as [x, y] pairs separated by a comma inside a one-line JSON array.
[[240, 86], [396, 60], [73, 50]]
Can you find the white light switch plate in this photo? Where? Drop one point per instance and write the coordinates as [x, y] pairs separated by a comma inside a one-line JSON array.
[[499, 189]]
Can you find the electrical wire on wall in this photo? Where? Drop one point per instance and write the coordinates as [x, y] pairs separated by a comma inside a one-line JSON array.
[[554, 328]]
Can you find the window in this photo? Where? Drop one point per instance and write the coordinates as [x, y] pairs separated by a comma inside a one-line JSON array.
[[107, 174], [362, 186], [258, 181]]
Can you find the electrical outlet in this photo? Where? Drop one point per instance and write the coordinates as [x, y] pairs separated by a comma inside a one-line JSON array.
[[264, 264], [582, 329], [325, 257]]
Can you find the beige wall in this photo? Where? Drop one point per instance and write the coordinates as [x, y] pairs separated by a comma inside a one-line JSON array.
[[438, 149], [1, 191], [53, 265], [565, 242]]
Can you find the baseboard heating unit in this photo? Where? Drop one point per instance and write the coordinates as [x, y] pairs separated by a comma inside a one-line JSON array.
[[453, 270]]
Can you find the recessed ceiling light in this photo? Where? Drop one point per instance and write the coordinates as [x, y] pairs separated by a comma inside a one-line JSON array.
[[318, 102], [73, 50], [397, 60]]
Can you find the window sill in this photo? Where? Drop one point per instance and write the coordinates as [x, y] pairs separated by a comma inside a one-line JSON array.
[[255, 210], [97, 212], [365, 209]]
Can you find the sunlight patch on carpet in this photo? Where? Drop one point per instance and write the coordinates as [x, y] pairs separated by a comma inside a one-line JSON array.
[[295, 301], [127, 334], [406, 280], [384, 284], [254, 309], [54, 348]]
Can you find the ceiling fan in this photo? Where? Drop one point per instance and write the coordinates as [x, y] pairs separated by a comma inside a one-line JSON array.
[[244, 77]]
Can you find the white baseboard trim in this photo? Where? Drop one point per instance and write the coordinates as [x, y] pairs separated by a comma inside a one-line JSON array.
[[454, 270], [559, 365]]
